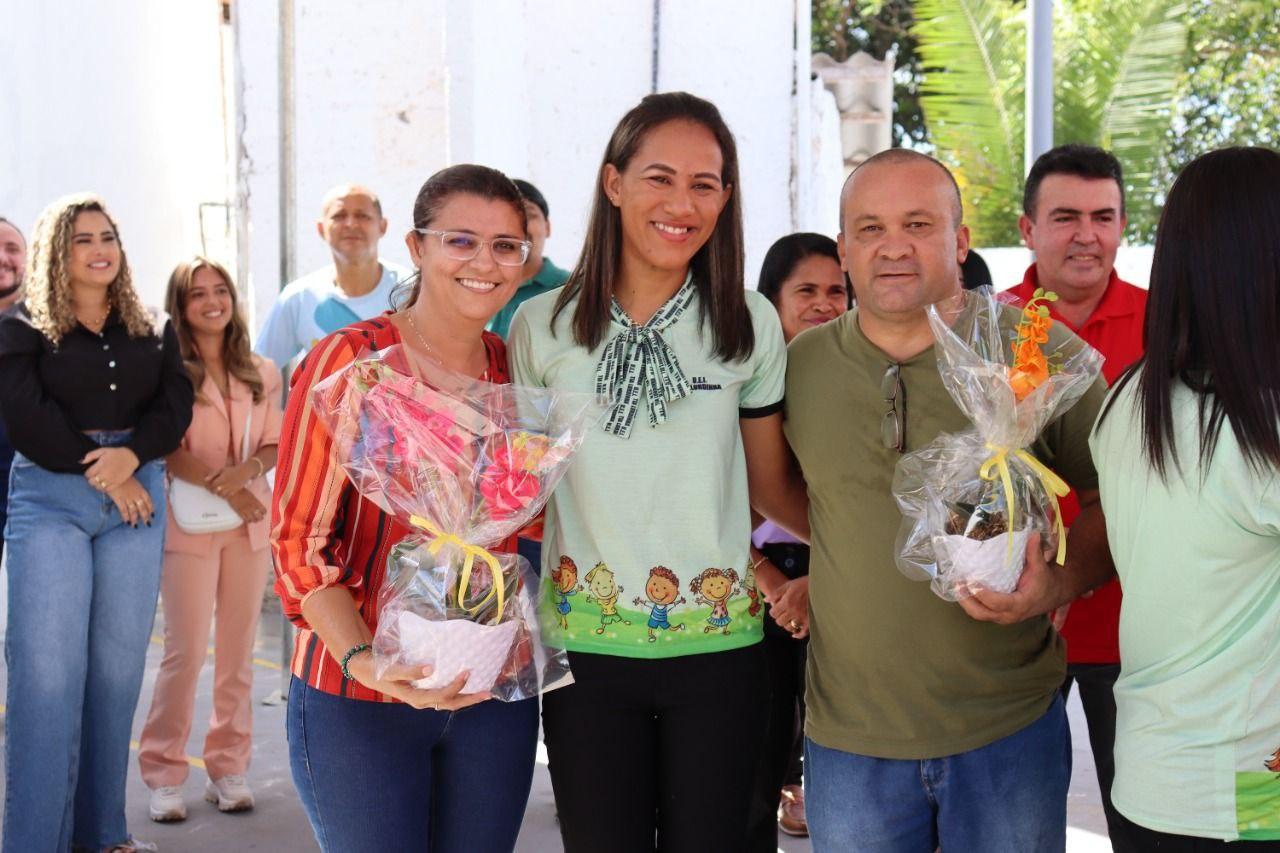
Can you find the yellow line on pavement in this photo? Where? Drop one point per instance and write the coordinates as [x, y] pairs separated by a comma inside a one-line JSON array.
[[135, 746], [192, 760], [157, 640]]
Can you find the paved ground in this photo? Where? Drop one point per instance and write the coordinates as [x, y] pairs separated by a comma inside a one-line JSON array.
[[278, 823]]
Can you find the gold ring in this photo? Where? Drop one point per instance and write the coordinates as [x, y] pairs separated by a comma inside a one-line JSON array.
[[795, 626]]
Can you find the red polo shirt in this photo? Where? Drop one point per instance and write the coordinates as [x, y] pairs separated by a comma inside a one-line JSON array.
[[1115, 330]]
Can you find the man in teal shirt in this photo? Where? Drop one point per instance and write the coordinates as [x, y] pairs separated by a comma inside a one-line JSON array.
[[541, 274]]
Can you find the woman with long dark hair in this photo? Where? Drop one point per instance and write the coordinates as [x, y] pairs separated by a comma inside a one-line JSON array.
[[801, 277], [94, 396], [660, 731], [1188, 456], [213, 574], [381, 764]]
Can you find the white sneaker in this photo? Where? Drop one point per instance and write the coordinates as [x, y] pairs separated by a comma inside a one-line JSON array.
[[230, 793], [167, 805]]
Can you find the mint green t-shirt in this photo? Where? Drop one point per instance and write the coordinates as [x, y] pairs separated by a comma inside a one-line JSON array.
[[646, 543], [1198, 700]]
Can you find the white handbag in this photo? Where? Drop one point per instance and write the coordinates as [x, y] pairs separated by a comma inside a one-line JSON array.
[[196, 509]]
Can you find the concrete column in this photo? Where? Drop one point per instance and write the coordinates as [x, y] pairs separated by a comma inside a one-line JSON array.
[[1039, 130], [863, 86]]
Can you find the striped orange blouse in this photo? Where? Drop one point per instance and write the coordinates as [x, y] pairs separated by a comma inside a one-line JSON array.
[[323, 532]]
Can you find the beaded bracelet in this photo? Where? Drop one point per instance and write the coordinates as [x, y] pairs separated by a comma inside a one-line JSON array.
[[346, 659]]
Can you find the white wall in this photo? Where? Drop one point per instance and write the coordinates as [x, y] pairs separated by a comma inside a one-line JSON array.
[[1009, 264], [389, 92], [121, 99], [371, 91]]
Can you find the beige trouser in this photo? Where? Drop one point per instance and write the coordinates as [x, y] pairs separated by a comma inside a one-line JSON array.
[[229, 581]]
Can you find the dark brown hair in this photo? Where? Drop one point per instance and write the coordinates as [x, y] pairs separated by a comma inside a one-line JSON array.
[[1213, 311], [717, 267], [11, 224], [236, 353], [463, 179], [1082, 161], [787, 253]]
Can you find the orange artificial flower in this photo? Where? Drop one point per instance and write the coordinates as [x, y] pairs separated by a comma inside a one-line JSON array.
[[1030, 367]]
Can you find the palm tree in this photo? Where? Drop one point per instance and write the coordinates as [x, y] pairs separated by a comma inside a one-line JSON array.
[[1116, 67]]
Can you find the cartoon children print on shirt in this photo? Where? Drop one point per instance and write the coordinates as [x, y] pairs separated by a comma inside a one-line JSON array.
[[713, 588], [753, 592], [604, 591], [663, 590], [565, 579]]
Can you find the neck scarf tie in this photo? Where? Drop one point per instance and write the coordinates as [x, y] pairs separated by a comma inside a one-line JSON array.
[[638, 361]]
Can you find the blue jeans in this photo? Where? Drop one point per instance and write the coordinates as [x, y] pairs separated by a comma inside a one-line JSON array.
[[82, 600], [1006, 797], [375, 776]]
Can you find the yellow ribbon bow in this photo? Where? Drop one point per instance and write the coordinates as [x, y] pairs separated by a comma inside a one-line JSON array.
[[440, 539], [1054, 486]]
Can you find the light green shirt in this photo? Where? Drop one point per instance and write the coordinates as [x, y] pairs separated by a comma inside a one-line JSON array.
[[1198, 699], [673, 496]]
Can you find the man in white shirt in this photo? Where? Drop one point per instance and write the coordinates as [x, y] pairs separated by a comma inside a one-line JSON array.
[[356, 287]]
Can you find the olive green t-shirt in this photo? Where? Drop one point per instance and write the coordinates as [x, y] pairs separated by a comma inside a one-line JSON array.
[[895, 671]]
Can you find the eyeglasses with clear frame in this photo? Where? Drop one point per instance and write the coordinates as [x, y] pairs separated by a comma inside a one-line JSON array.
[[464, 246], [893, 426]]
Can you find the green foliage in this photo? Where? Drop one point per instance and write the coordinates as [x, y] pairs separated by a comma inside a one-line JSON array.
[[973, 100], [1158, 83], [841, 28], [1229, 87], [1119, 69], [1116, 67]]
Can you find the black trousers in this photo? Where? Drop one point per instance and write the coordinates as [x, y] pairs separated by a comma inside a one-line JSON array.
[[1150, 841], [656, 754], [781, 740], [1097, 694]]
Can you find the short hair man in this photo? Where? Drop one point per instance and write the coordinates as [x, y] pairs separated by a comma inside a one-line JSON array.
[[541, 275], [929, 722], [13, 263], [1073, 219], [355, 287]]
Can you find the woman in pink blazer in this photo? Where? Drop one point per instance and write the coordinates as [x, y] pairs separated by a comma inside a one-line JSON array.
[[223, 572]]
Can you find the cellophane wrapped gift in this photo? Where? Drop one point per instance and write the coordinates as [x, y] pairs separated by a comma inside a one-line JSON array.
[[465, 464], [971, 500]]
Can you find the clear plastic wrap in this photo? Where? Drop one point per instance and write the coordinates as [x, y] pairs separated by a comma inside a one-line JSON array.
[[971, 500], [465, 464]]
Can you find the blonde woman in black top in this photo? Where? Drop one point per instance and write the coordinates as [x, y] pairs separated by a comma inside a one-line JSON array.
[[94, 395]]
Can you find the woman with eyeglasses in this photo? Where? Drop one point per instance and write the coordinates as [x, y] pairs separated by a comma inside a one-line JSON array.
[[660, 733], [1188, 456], [381, 764], [94, 395], [801, 277]]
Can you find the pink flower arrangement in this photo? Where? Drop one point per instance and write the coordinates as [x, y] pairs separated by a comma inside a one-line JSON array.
[[464, 464], [509, 482]]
